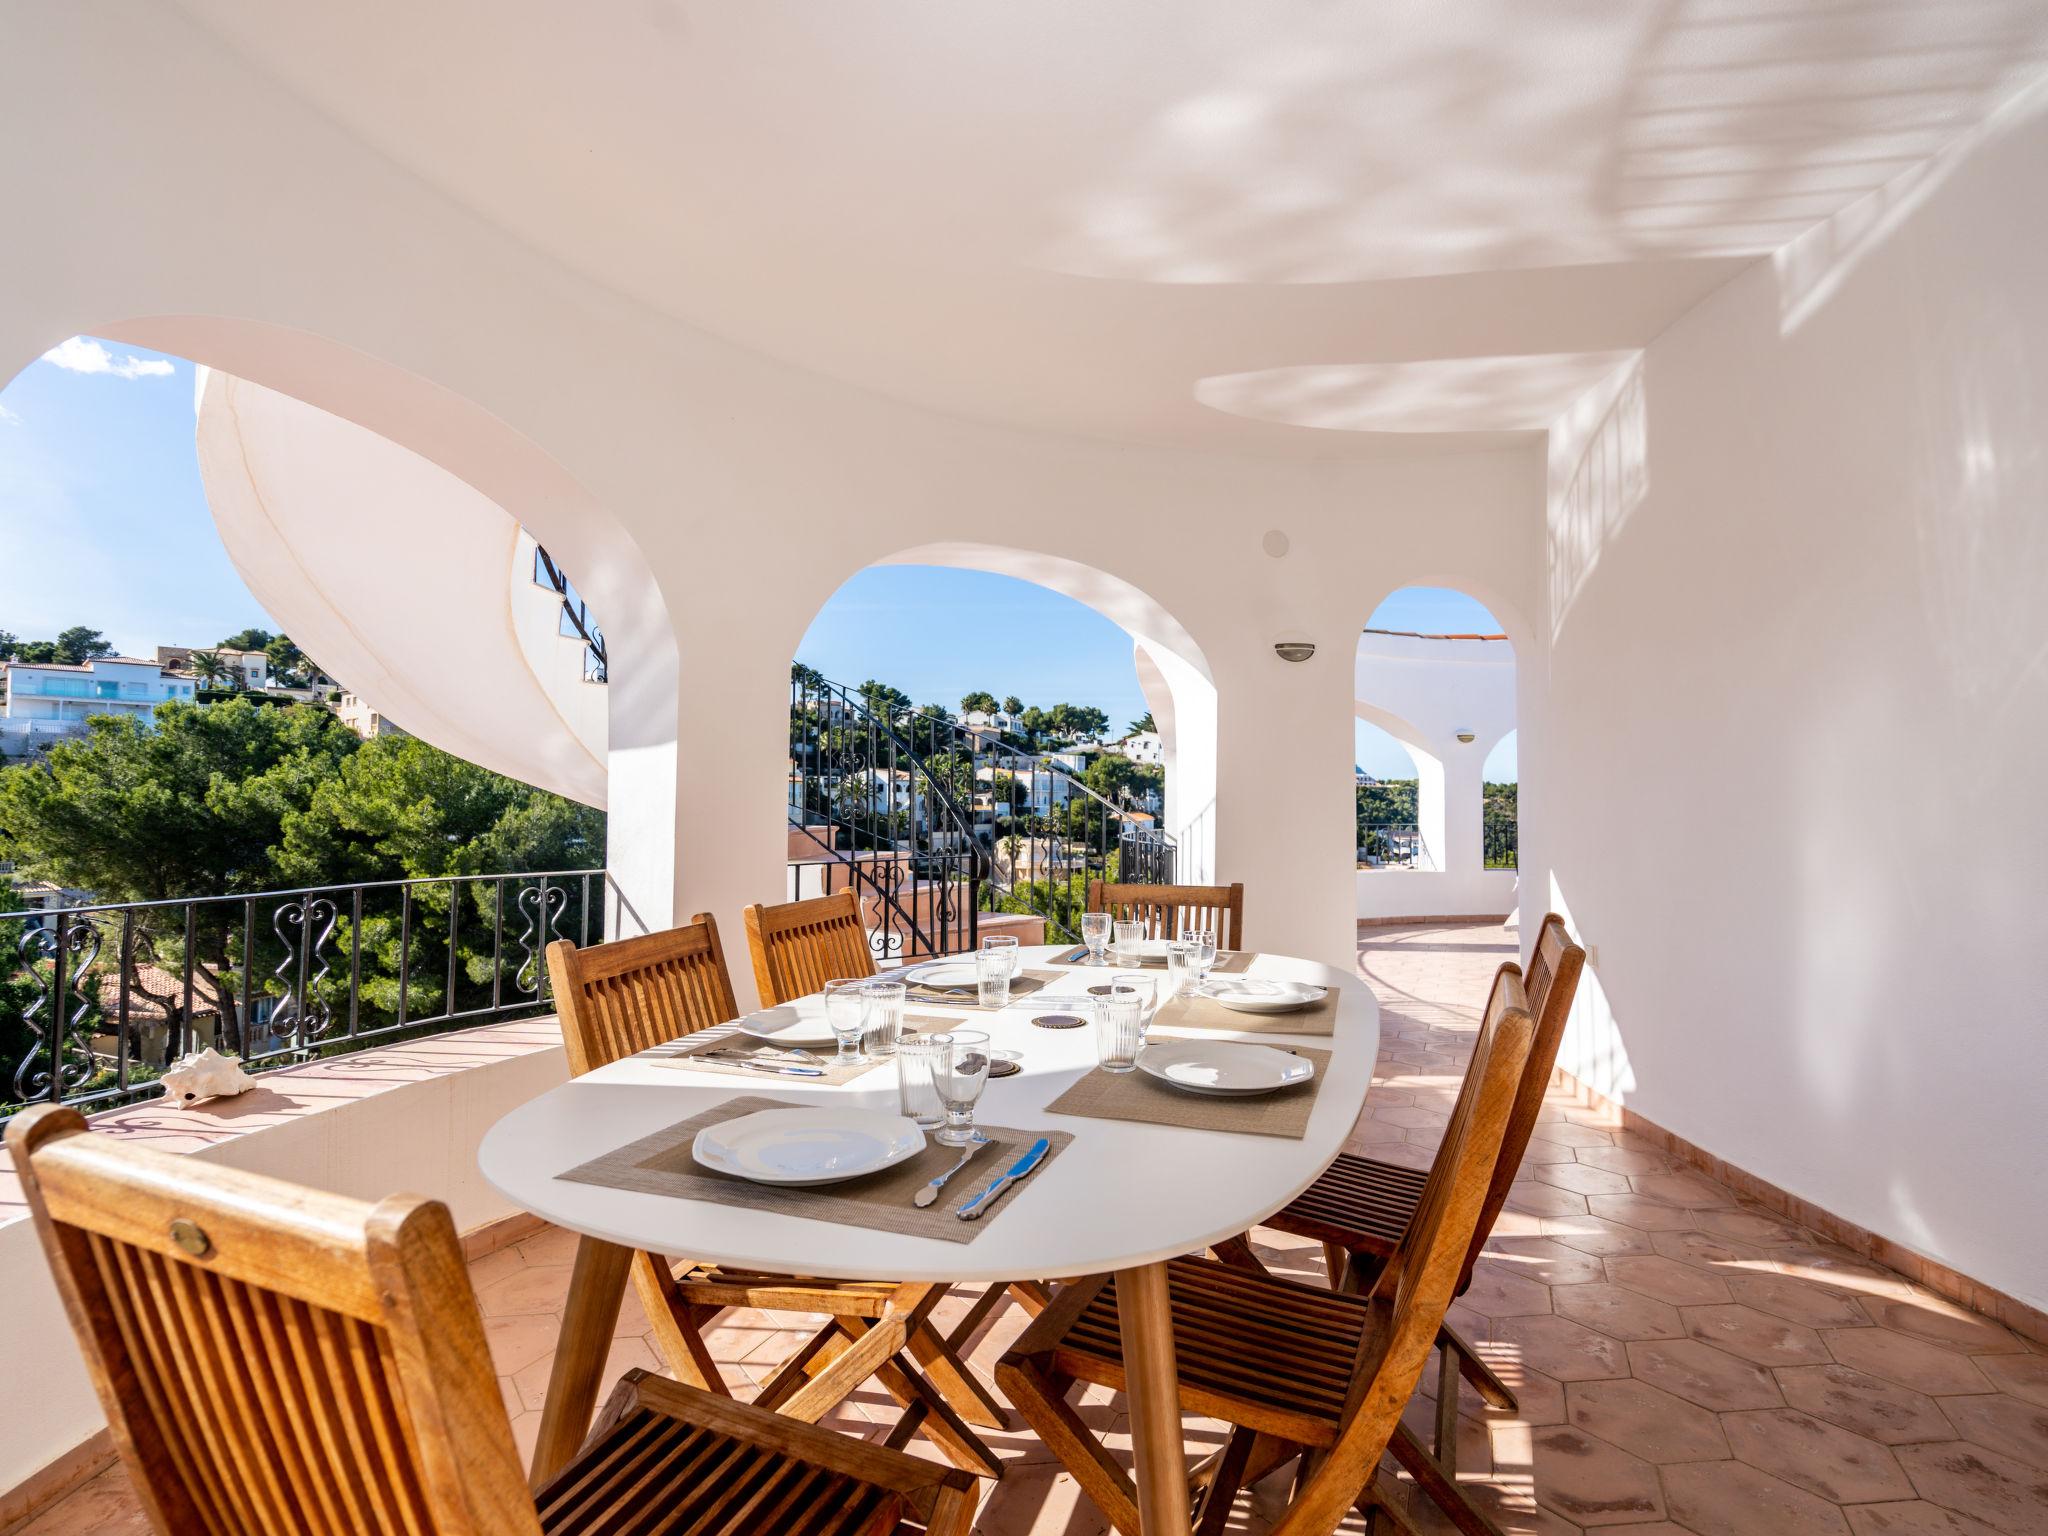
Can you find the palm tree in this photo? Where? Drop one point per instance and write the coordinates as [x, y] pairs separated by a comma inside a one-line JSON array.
[[214, 670]]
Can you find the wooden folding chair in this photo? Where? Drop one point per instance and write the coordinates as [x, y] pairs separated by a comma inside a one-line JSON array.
[[278, 1361], [1295, 1369], [1359, 1207], [798, 946], [629, 995], [1167, 910]]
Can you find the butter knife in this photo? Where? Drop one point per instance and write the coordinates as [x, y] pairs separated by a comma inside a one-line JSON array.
[[761, 1066], [1033, 1156]]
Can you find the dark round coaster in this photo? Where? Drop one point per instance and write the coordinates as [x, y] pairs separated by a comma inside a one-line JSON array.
[[1059, 1021], [1102, 991], [1005, 1068]]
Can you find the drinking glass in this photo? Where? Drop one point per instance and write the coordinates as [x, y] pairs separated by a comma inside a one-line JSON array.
[[992, 974], [1095, 934], [1129, 936], [959, 1076], [885, 1021], [1183, 967], [1146, 986], [1119, 1028], [917, 1089], [1204, 940], [847, 1009], [1005, 944]]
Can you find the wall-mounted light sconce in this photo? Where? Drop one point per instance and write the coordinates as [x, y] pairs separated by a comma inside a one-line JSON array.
[[1294, 650], [1467, 737]]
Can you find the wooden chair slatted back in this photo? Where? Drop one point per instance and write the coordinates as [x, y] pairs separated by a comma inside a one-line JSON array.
[[625, 996], [273, 1360], [1553, 980], [798, 946], [1414, 1290], [1167, 909]]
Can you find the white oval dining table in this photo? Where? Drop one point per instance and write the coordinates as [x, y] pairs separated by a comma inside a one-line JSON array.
[[1122, 1197]]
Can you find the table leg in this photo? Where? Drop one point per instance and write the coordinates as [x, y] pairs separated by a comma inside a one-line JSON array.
[[1145, 1316], [597, 1285]]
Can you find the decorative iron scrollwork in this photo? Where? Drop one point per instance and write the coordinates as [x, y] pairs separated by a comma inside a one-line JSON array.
[[61, 1058], [543, 905], [309, 1016]]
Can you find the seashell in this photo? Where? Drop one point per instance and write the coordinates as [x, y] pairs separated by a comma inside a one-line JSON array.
[[205, 1075]]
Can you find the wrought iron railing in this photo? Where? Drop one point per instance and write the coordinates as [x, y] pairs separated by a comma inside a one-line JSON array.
[[894, 792], [1502, 842], [575, 622], [95, 1000], [1392, 845], [914, 903]]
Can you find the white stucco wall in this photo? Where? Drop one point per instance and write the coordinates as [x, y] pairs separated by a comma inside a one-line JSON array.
[[1798, 710]]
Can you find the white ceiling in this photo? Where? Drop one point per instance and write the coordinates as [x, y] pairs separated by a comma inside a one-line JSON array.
[[1163, 221]]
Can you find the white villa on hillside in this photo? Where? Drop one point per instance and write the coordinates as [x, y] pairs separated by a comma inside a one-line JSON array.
[[48, 700]]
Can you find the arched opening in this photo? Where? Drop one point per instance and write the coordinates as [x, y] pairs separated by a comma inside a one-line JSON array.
[[1435, 692], [378, 790], [976, 733]]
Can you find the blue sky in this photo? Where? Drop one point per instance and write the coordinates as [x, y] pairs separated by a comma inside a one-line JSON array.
[[105, 524]]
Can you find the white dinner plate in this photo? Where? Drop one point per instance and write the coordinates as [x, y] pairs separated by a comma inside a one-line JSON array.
[[942, 973], [808, 1146], [1249, 994], [1144, 952], [1224, 1067], [790, 1025]]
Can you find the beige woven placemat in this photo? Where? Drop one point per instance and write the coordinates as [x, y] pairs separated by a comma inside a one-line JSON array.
[[661, 1164], [1229, 962], [1206, 1013], [1022, 985], [1140, 1096], [694, 1052]]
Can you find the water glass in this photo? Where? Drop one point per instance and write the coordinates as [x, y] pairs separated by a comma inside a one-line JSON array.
[[1005, 944], [847, 1011], [1144, 985], [1204, 940], [1130, 938], [959, 1076], [1183, 968], [1095, 934], [1119, 1028], [885, 1020], [917, 1088], [992, 975]]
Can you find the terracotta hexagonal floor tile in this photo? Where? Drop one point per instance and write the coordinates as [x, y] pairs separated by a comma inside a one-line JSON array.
[[1593, 1483], [2022, 1375], [1582, 1179], [1797, 1301], [1645, 1421], [1731, 1498], [1704, 1250], [1545, 1199], [2003, 1424], [1750, 1226], [1942, 1322], [1541, 1258], [1566, 1134], [1620, 1160], [1701, 1374], [532, 1288], [1559, 1348], [1668, 1280], [1618, 1312], [1497, 1291], [1596, 1236], [2006, 1495], [1756, 1336], [1813, 1454], [1918, 1518], [1693, 1190], [532, 1382], [1908, 1361], [1540, 1151], [517, 1341], [1870, 1405], [1643, 1214]]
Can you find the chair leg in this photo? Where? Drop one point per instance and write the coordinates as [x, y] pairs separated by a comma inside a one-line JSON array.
[[1042, 1399], [1223, 1483], [1478, 1372], [675, 1324], [1237, 1253], [941, 1425], [1336, 1262], [1441, 1487], [1446, 1447], [952, 1513], [944, 1368]]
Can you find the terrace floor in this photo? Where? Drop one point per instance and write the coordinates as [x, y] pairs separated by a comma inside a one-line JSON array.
[[1684, 1362]]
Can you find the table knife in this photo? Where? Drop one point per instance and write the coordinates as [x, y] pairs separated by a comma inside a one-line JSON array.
[[761, 1066], [1032, 1157]]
